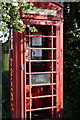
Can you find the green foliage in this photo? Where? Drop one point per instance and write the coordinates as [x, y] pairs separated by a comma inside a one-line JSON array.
[[32, 29], [27, 7], [71, 60], [72, 75], [10, 16]]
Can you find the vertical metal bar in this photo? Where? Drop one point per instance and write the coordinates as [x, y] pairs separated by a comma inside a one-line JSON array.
[[57, 70], [25, 73], [52, 69], [61, 68], [30, 71], [22, 78], [13, 115], [16, 77]]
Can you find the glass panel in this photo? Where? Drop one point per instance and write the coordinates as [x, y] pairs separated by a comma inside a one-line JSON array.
[[42, 115], [27, 42], [28, 115], [54, 114], [28, 91], [41, 78], [47, 42], [36, 54], [36, 41], [54, 78], [41, 54], [41, 90], [54, 54], [41, 102], [54, 66], [54, 30], [27, 103], [54, 100], [27, 54], [27, 31], [42, 29], [27, 79], [41, 66], [54, 42], [40, 42], [54, 89], [27, 67]]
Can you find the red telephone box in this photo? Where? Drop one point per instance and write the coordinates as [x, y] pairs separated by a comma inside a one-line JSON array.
[[36, 65]]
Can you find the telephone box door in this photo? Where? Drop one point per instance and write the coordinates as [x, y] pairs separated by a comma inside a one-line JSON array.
[[42, 72]]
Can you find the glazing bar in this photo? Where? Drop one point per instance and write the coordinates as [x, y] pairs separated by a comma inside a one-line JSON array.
[[45, 108], [52, 70], [40, 36], [41, 72], [30, 71], [45, 96]]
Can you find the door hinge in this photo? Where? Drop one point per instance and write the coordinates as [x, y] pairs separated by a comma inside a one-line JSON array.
[[22, 67]]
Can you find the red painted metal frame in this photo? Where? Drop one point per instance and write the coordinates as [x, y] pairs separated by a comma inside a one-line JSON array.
[[22, 76], [58, 72], [18, 74], [58, 115], [44, 5], [14, 78], [41, 22], [52, 73], [61, 68]]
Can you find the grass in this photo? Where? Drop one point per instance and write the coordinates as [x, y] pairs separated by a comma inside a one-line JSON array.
[[5, 62], [5, 85]]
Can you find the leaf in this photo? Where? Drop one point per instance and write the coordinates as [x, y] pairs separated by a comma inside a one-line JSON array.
[[11, 16]]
